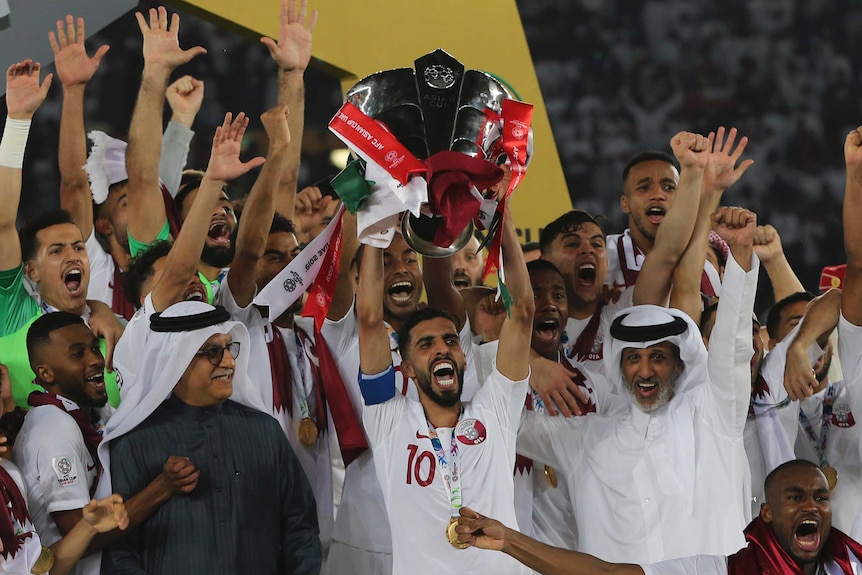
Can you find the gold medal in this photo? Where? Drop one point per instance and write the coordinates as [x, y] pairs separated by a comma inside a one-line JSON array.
[[452, 536], [45, 561], [831, 476], [307, 432], [551, 476]]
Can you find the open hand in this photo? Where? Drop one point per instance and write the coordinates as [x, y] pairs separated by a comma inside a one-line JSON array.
[[161, 45], [722, 170], [74, 67], [224, 161], [24, 93], [292, 52]]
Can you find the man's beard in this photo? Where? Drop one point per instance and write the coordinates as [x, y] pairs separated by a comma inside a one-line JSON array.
[[665, 393], [219, 257], [423, 380]]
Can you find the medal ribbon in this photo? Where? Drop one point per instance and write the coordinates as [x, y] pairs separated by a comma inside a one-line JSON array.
[[451, 469], [279, 368], [820, 442], [306, 348]]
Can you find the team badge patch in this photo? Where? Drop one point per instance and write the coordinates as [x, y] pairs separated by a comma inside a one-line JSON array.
[[64, 467], [596, 351], [842, 416], [471, 432]]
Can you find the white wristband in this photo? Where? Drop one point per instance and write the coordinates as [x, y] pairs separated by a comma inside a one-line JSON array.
[[14, 142]]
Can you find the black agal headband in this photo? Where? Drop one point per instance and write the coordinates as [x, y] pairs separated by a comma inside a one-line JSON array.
[[162, 324], [642, 333]]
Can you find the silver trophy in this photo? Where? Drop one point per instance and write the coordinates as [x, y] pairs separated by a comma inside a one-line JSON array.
[[438, 106]]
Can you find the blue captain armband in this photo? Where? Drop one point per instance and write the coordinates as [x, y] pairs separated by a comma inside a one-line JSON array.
[[379, 387]]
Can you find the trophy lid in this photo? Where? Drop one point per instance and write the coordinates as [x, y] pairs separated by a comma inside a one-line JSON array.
[[438, 106]]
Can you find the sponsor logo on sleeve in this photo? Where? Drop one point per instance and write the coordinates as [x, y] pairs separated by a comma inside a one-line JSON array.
[[64, 467]]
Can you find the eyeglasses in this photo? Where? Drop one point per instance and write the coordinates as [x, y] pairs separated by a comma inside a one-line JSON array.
[[215, 353]]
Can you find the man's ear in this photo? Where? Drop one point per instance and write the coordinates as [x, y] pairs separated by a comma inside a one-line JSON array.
[[624, 204], [766, 512], [407, 368], [104, 226], [31, 271], [44, 373]]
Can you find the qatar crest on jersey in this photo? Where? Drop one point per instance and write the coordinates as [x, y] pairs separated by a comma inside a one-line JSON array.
[[471, 432]]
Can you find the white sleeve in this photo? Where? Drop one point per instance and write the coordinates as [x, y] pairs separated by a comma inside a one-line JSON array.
[[62, 461], [555, 441], [175, 153], [777, 427], [504, 397], [850, 351], [101, 271], [225, 298], [697, 565], [727, 394], [341, 334], [850, 346], [380, 419]]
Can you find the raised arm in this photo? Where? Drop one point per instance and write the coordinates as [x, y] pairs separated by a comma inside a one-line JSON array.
[[513, 353], [821, 317], [438, 278], [162, 54], [722, 171], [184, 96], [487, 533], [24, 95], [259, 208], [74, 68], [343, 297], [654, 281], [374, 353], [292, 53], [851, 304], [730, 345], [224, 165], [767, 246]]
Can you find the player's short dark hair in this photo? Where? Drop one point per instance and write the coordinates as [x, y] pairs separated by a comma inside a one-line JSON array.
[[415, 319], [27, 235], [141, 269], [773, 318], [281, 224], [571, 221], [649, 156], [542, 265], [189, 182], [40, 330]]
